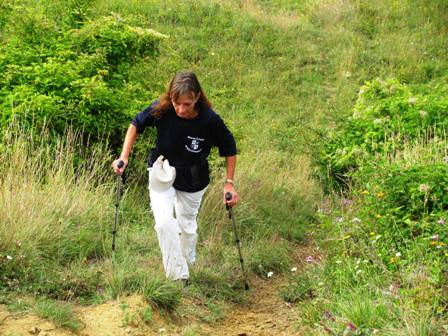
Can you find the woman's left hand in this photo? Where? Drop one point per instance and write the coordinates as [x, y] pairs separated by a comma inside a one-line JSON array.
[[228, 188]]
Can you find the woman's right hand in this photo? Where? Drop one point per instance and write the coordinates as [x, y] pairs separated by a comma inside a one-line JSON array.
[[119, 170]]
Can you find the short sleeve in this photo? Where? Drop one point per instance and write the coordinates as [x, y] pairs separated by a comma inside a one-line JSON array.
[[224, 139], [144, 119]]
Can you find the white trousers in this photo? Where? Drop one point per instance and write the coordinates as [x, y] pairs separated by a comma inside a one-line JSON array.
[[175, 214]]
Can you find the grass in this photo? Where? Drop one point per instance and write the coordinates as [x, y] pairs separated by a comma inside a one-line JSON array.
[[61, 314]]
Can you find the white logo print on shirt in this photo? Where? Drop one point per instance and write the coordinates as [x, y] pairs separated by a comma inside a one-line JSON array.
[[194, 144]]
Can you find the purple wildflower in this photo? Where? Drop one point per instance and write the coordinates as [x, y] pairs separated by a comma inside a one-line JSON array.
[[309, 259]]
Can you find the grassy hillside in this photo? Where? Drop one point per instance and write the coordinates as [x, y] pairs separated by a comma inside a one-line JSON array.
[[286, 77]]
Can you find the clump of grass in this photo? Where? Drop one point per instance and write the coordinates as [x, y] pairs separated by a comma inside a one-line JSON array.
[[60, 313], [273, 256], [162, 293], [216, 284], [299, 288]]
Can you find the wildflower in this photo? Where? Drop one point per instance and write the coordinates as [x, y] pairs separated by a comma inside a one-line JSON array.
[[347, 237], [328, 315], [309, 259], [356, 220], [398, 254], [412, 100], [380, 194], [372, 233], [434, 237], [377, 121], [346, 201], [432, 243], [294, 269], [338, 262], [270, 274], [378, 216], [423, 187], [8, 257], [422, 113], [351, 326], [339, 219], [441, 221], [365, 192], [392, 260], [320, 283]]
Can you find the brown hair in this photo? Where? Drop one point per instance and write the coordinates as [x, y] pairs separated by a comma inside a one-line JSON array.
[[183, 83]]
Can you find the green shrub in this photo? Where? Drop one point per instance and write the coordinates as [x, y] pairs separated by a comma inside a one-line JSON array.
[[55, 76], [387, 114]]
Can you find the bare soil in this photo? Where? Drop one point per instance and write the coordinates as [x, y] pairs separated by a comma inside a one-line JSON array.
[[263, 313]]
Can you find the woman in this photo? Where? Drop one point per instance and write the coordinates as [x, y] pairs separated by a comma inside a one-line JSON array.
[[187, 128]]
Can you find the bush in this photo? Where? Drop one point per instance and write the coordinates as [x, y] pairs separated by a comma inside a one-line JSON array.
[[387, 114], [55, 76]]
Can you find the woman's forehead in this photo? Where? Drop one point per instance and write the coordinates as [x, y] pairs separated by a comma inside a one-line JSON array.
[[184, 98]]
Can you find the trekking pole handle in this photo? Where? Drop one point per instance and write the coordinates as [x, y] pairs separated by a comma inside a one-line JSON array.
[[228, 198]]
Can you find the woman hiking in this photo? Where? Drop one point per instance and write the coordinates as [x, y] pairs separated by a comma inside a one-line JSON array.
[[187, 129]]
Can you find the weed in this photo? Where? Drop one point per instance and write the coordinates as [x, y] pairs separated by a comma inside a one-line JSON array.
[[61, 314]]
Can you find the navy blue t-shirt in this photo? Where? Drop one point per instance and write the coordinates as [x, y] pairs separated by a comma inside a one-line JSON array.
[[186, 143]]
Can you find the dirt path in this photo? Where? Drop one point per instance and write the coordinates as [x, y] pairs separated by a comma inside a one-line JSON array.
[[264, 313]]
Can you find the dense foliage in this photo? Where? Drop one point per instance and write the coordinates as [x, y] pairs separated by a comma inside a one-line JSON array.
[[386, 116], [71, 72]]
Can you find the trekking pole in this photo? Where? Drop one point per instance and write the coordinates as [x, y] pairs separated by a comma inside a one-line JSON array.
[[120, 181], [237, 239]]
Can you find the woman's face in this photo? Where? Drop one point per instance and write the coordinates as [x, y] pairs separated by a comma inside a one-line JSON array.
[[184, 106]]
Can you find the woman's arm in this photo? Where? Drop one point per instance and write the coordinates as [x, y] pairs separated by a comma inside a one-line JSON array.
[[129, 140], [229, 184]]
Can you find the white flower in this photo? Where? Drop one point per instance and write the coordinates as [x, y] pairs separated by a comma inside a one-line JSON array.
[[398, 254], [423, 187], [422, 113], [270, 274], [338, 262], [293, 269], [377, 121], [412, 100], [8, 257]]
